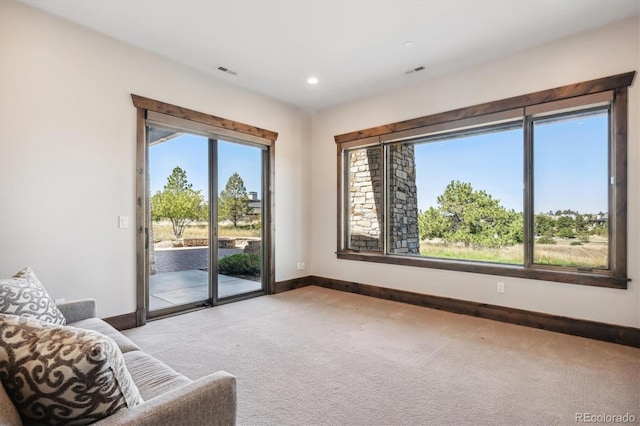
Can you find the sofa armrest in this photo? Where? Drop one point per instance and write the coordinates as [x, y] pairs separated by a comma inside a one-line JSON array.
[[210, 400], [77, 310]]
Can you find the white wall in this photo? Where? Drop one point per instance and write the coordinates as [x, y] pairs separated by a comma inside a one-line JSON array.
[[67, 154], [608, 51]]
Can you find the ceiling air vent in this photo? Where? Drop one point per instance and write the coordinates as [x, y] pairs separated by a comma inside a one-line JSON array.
[[227, 70], [411, 71]]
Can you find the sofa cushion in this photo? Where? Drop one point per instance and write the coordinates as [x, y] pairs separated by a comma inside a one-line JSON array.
[[24, 295], [153, 377], [8, 414], [62, 374], [96, 324]]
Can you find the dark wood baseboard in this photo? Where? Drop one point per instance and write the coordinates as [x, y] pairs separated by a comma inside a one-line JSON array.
[[628, 336], [291, 284], [122, 322]]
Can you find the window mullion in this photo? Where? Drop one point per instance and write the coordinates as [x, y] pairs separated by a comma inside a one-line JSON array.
[[345, 218], [528, 232], [384, 225]]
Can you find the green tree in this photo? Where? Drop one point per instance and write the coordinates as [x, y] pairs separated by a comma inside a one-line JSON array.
[[233, 203], [565, 227], [178, 202], [514, 226], [543, 224], [471, 217], [431, 224], [580, 223]]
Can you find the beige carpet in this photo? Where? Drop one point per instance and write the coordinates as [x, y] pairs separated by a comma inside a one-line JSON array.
[[314, 356]]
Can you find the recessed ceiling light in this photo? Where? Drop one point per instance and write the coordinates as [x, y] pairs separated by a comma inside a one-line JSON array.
[[408, 43], [312, 80]]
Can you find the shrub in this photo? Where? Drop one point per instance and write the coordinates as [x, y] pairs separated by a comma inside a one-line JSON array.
[[584, 238], [546, 239], [240, 264]]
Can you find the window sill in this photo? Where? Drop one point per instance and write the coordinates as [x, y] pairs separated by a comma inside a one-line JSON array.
[[603, 279]]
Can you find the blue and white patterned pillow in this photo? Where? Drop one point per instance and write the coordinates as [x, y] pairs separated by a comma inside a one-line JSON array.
[[24, 295], [62, 374]]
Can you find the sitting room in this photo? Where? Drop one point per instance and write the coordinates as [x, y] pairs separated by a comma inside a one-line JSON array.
[[319, 213]]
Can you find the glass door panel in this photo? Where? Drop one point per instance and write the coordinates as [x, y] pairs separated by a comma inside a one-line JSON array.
[[179, 256], [240, 219]]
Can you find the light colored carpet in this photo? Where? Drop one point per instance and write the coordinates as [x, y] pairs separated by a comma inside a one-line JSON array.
[[314, 356]]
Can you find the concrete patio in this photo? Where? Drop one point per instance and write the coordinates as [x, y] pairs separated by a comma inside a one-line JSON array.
[[178, 288], [181, 277]]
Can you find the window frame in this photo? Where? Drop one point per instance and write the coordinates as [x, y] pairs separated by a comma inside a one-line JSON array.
[[157, 113], [530, 122], [548, 102]]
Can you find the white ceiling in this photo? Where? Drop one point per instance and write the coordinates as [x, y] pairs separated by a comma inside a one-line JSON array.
[[354, 47]]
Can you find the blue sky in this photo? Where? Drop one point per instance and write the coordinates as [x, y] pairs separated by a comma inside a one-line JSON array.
[[191, 154], [570, 169], [570, 165], [491, 162]]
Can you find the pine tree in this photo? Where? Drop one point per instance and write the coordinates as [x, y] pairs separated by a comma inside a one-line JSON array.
[[233, 203], [471, 217]]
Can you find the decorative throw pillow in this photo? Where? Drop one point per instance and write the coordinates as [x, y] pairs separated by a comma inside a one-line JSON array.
[[24, 295], [62, 374]]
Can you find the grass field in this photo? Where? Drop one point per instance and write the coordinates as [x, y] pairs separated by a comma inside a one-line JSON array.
[[592, 254], [162, 231]]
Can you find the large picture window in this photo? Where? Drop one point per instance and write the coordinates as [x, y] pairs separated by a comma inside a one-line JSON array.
[[532, 187]]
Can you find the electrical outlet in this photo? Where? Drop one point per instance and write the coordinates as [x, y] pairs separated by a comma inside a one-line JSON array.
[[500, 287], [301, 265]]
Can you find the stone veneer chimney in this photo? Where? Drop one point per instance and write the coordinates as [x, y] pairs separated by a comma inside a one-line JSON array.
[[365, 200], [403, 201]]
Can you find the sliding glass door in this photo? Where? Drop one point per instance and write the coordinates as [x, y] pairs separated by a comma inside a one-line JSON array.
[[179, 235], [206, 204], [240, 211], [204, 231]]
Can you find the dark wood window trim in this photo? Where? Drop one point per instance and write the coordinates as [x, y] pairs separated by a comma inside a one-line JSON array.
[[202, 123], [564, 92], [616, 277], [199, 117]]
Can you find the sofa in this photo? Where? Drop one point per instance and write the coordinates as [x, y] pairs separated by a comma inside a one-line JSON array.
[[167, 397]]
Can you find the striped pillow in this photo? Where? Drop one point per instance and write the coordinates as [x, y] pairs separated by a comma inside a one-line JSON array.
[[62, 374]]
